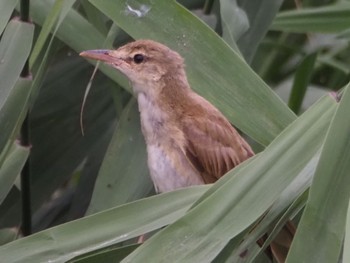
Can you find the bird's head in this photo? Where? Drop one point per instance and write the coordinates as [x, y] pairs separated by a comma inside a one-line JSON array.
[[145, 63]]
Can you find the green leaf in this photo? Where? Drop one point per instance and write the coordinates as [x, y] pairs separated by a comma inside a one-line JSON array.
[[292, 199], [67, 31], [12, 114], [15, 46], [333, 62], [214, 70], [115, 254], [326, 19], [95, 17], [119, 179], [260, 17], [12, 167], [6, 9], [234, 22], [50, 24], [344, 34], [205, 230], [64, 242], [346, 252], [301, 82], [320, 234], [7, 235]]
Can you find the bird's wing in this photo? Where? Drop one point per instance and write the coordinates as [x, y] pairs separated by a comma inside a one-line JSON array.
[[213, 146]]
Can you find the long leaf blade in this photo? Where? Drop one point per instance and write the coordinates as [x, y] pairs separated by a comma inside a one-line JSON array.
[[326, 19], [61, 243], [11, 169], [15, 46], [320, 234]]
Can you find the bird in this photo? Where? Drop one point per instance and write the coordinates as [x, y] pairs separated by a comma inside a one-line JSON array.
[[189, 141]]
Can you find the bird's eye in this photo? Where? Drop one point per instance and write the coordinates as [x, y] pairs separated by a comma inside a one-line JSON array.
[[138, 58]]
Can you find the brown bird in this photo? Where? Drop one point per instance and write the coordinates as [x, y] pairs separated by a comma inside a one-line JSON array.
[[189, 141]]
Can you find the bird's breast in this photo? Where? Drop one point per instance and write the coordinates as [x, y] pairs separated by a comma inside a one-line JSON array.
[[168, 165], [170, 170]]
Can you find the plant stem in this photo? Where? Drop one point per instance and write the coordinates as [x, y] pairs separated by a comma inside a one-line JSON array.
[[25, 142]]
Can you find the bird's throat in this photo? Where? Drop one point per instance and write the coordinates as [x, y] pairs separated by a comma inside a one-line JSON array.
[[153, 118]]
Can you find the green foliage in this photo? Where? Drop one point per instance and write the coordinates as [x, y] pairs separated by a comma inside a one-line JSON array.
[[323, 220], [302, 173]]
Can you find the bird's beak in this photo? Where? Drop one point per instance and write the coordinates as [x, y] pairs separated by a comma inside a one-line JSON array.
[[104, 55]]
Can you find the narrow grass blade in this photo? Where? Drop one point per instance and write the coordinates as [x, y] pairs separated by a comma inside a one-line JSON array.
[[326, 19], [260, 17], [11, 168], [12, 114], [15, 46], [301, 81], [6, 9], [346, 252]]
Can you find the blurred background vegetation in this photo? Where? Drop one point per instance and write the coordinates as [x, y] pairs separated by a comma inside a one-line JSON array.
[[239, 55]]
